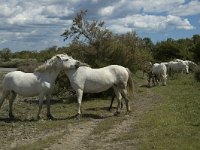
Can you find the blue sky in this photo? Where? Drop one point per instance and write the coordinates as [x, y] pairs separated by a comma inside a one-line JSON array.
[[38, 24]]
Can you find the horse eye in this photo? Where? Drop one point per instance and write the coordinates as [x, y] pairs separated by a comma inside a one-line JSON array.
[[66, 59]]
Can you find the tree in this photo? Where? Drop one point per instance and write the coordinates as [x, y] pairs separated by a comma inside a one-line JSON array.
[[196, 38], [90, 38], [148, 43], [92, 31], [167, 50], [6, 54], [196, 51]]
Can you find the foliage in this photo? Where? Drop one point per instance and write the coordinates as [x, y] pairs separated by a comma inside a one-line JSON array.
[[29, 65], [101, 47], [91, 31], [167, 50], [197, 74], [181, 48], [5, 54], [95, 45], [25, 54], [196, 51]]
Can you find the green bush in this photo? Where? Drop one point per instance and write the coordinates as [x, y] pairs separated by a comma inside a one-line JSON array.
[[197, 74], [28, 65]]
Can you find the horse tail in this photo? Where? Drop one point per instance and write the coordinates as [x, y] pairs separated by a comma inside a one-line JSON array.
[[130, 83], [5, 93]]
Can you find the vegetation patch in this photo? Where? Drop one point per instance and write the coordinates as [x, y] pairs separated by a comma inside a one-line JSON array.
[[173, 123]]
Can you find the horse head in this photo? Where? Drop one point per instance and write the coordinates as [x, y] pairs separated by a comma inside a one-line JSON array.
[[68, 62]]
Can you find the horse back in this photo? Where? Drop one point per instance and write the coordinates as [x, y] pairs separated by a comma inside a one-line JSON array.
[[121, 74], [18, 80]]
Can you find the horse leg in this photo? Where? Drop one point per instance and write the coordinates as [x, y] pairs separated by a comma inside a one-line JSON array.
[[124, 95], [11, 100], [41, 97], [113, 97], [119, 97], [79, 100], [49, 115], [4, 96]]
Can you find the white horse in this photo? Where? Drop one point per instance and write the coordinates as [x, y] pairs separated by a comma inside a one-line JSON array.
[[176, 67], [160, 72], [191, 65], [88, 80], [40, 83]]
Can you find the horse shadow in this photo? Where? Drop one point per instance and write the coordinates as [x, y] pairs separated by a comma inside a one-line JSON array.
[[13, 120], [83, 116], [94, 116], [145, 86], [101, 108], [52, 101]]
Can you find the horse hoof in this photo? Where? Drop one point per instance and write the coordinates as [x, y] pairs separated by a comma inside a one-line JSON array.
[[128, 111], [11, 116], [38, 117], [116, 113], [50, 117], [78, 117]]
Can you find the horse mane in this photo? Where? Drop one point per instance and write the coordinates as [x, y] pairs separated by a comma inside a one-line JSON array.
[[84, 64], [47, 65]]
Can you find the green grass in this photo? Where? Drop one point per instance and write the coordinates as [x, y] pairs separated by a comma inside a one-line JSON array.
[[173, 122], [40, 144]]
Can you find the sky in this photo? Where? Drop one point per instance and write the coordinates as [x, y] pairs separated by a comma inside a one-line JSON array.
[[38, 24]]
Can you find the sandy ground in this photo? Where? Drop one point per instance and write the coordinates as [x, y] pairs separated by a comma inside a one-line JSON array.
[[80, 137]]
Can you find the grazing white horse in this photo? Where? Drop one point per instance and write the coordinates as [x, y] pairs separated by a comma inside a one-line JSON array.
[[191, 65], [88, 80], [176, 67], [160, 72], [147, 67], [40, 83]]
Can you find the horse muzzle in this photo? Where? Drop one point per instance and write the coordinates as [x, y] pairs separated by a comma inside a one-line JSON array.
[[79, 64]]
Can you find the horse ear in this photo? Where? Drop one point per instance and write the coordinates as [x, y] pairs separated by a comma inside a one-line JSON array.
[[58, 57]]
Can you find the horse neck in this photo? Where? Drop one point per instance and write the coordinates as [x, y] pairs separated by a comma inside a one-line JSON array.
[[70, 73], [49, 75]]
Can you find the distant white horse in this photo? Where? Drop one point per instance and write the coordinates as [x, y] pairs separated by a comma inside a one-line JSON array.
[[160, 72], [191, 65], [176, 67], [40, 83], [88, 80]]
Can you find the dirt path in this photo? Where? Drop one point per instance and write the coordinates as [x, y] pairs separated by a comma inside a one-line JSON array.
[[73, 140], [5, 70], [80, 137]]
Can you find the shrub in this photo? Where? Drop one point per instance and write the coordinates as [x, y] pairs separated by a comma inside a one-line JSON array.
[[197, 74], [28, 65]]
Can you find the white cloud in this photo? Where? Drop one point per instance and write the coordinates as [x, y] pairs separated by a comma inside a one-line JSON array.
[[107, 11], [57, 11], [94, 1], [43, 21], [8, 10], [155, 6], [149, 23], [3, 41], [191, 8], [119, 28], [179, 23], [173, 7]]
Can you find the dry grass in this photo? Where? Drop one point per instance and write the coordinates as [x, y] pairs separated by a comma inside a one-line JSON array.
[[161, 118]]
